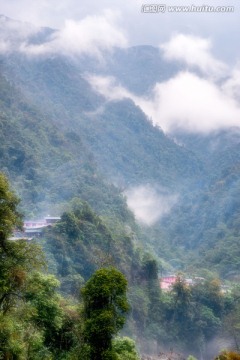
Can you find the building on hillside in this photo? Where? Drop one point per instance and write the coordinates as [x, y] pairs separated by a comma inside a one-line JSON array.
[[35, 227], [166, 282], [50, 220]]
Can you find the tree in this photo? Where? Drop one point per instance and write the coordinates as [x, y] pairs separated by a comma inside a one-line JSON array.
[[105, 304], [125, 349], [9, 215], [153, 319], [45, 302], [16, 258], [181, 299], [231, 326]]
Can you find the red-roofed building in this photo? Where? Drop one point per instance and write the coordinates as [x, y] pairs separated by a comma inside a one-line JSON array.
[[166, 282]]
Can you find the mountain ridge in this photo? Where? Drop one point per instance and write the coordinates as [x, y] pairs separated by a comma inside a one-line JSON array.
[[92, 150]]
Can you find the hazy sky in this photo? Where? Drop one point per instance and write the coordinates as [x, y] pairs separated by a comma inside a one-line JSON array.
[[137, 26]]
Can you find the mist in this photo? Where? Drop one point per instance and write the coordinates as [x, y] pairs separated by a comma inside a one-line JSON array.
[[201, 98], [149, 204], [93, 35]]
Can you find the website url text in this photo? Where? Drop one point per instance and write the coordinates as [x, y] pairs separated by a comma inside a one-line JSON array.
[[162, 8]]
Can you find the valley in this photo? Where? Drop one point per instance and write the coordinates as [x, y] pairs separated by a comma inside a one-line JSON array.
[[77, 141]]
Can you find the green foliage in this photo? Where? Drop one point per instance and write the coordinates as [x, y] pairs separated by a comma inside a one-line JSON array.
[[41, 293], [60, 141], [190, 316], [209, 294], [17, 260], [105, 305], [138, 295], [81, 242], [231, 320], [19, 339], [127, 147], [9, 215], [125, 348]]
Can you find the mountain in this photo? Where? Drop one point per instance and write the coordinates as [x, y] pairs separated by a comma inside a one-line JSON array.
[[60, 139], [48, 166], [60, 87], [207, 221]]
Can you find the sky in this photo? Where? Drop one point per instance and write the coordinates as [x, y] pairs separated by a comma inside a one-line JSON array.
[[137, 24]]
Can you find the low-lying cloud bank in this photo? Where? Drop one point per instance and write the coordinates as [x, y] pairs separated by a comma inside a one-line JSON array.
[[92, 36], [202, 98], [188, 101], [150, 204]]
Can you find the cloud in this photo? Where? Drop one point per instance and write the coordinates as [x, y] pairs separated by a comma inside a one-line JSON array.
[[92, 36], [13, 33], [108, 87], [195, 52], [193, 104], [4, 46], [186, 102], [149, 205], [142, 28]]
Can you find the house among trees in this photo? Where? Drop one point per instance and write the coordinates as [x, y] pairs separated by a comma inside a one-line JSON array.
[[35, 227], [167, 282]]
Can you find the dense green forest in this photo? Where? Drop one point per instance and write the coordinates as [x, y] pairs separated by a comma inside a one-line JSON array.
[[68, 151], [43, 315], [36, 322]]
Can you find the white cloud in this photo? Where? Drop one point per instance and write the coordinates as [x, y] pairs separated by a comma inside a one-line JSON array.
[[107, 86], [12, 30], [187, 101], [13, 33], [195, 52], [190, 103], [142, 28], [91, 36], [148, 204], [5, 46]]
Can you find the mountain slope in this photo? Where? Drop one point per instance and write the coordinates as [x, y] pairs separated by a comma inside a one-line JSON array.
[[49, 167], [60, 139], [123, 141]]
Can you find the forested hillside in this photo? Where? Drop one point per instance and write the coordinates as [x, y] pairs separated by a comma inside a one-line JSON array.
[[62, 129], [129, 195]]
